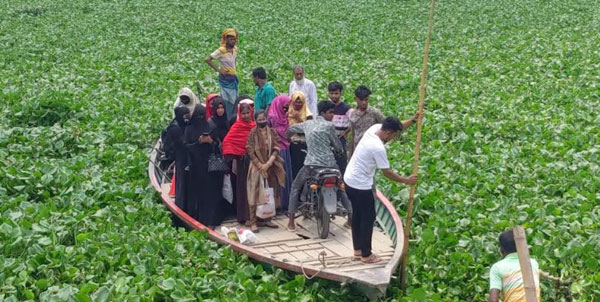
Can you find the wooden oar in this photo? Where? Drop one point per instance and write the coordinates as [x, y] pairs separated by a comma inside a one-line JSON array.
[[415, 170], [525, 263]]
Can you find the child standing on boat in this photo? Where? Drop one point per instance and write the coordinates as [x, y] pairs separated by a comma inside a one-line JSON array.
[[370, 155]]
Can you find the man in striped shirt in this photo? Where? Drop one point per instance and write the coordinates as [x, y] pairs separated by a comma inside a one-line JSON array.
[[505, 275], [341, 120]]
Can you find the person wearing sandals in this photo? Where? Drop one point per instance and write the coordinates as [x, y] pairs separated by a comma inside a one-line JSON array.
[[370, 155], [265, 163]]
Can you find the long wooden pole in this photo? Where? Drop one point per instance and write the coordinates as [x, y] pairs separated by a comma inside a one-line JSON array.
[[525, 262], [415, 170]]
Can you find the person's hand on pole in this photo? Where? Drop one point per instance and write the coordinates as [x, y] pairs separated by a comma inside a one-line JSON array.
[[411, 180]]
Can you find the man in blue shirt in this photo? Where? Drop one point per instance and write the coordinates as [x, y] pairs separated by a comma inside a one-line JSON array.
[[265, 93]]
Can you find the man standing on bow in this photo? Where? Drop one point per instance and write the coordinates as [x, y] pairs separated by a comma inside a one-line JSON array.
[[227, 56], [300, 83]]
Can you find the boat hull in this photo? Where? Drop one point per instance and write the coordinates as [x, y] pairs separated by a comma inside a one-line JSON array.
[[303, 252]]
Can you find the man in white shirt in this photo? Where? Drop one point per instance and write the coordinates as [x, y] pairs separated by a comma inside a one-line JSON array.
[[305, 85], [370, 155]]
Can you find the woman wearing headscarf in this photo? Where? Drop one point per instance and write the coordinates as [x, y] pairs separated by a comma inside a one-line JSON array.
[[219, 126], [265, 164], [278, 117], [244, 97], [226, 54], [234, 148], [203, 192], [174, 140], [298, 113], [186, 98], [218, 122], [210, 98]]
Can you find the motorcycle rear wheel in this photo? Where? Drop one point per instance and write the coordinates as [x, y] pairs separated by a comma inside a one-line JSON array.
[[322, 220]]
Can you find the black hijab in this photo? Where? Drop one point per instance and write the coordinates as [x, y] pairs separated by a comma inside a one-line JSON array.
[[219, 124], [179, 113], [198, 125]]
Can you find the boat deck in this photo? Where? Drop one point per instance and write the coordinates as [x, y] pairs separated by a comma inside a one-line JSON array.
[[304, 246]]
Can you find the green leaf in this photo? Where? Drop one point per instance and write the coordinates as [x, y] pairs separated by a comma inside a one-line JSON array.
[[102, 294], [45, 241], [428, 235], [139, 270], [6, 229], [167, 284]]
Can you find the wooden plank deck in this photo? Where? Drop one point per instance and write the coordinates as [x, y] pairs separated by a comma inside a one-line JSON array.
[[280, 248], [304, 246]]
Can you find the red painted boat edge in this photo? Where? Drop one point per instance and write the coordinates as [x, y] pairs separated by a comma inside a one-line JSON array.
[[254, 254]]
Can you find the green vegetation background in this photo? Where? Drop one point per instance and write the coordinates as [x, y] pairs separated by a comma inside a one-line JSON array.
[[511, 136]]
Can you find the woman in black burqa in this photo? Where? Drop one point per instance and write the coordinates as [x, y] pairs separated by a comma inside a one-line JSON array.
[[203, 191], [174, 144], [219, 126]]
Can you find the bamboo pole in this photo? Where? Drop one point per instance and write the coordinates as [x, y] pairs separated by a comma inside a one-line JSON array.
[[525, 263], [415, 170]]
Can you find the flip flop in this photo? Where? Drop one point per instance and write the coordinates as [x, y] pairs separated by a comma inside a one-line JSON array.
[[291, 230], [270, 224], [371, 259]]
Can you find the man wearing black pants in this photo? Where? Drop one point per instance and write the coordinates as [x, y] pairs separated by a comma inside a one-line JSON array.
[[370, 155]]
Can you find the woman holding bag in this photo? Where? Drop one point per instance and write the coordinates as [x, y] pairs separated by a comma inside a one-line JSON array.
[[219, 126], [265, 170], [203, 192], [234, 148]]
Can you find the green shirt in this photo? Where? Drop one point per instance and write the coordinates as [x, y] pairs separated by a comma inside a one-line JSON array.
[[506, 276], [263, 97]]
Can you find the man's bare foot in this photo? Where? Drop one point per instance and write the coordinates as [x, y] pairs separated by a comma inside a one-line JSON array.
[[291, 226]]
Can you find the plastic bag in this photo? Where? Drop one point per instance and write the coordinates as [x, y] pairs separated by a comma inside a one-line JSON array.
[[239, 235], [227, 190], [230, 233], [247, 237], [267, 207]]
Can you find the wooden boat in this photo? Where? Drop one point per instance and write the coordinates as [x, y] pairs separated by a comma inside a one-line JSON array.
[[303, 251]]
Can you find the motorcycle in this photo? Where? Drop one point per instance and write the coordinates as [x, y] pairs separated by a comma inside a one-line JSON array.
[[320, 198]]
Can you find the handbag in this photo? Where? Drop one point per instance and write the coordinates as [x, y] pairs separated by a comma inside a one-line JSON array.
[[216, 162], [266, 208]]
